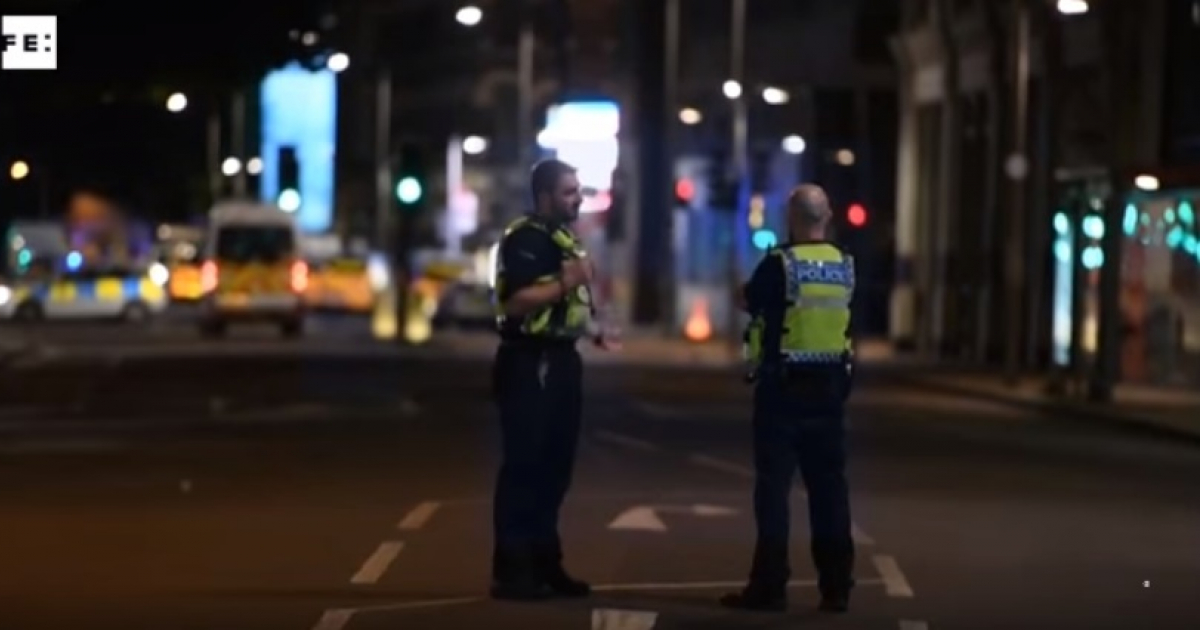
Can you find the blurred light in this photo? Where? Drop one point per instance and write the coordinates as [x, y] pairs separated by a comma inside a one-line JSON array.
[[300, 110], [698, 326], [5, 295], [1187, 214], [1062, 225], [1146, 182], [159, 274], [493, 260], [408, 190], [289, 200], [690, 116], [685, 190], [74, 261], [469, 15], [338, 62], [1130, 223], [845, 157], [19, 170], [856, 215], [757, 215], [1072, 7], [378, 273], [177, 102], [417, 328], [309, 39], [254, 166], [794, 144], [775, 96], [1093, 258], [384, 323], [24, 257], [1093, 227], [18, 242], [231, 166], [765, 239], [1175, 237], [1062, 251], [474, 145], [732, 89]]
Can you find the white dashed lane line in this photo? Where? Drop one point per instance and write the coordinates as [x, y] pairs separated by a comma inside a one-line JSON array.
[[894, 581], [419, 516], [722, 465], [378, 563], [626, 441]]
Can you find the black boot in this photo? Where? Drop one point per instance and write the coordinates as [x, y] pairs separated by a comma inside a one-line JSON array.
[[835, 566], [515, 576], [551, 571], [767, 589]]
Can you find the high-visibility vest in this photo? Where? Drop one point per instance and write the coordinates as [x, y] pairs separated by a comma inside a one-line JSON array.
[[820, 286], [566, 319]]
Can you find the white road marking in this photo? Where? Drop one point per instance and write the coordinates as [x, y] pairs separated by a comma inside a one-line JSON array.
[[334, 619], [701, 586], [913, 625], [860, 536], [639, 518], [419, 515], [614, 619], [424, 603], [724, 466], [378, 563], [626, 441], [893, 578]]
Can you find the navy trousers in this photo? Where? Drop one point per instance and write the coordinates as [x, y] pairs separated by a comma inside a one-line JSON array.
[[799, 424], [539, 392]]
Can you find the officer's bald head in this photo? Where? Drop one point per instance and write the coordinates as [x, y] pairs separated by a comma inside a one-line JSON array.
[[808, 212]]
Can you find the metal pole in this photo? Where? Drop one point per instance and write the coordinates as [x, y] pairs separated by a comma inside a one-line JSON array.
[[741, 126], [237, 141], [1014, 248], [525, 88], [213, 149], [670, 141], [383, 152]]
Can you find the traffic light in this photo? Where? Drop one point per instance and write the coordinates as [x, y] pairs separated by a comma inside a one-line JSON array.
[[412, 180], [685, 192], [856, 215], [722, 184], [764, 239]]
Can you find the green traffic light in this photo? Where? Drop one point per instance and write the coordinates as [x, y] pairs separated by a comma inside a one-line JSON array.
[[408, 190]]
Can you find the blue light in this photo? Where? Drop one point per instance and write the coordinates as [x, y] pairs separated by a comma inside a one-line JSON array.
[[1062, 251], [1093, 258], [1131, 220], [299, 110], [1062, 225], [74, 261], [765, 239], [408, 190], [24, 257], [1175, 237], [1093, 227], [1186, 214]]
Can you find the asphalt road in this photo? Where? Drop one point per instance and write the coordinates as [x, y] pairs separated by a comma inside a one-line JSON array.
[[328, 490]]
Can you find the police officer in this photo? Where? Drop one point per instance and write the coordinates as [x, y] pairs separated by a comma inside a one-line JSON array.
[[543, 307], [799, 342]]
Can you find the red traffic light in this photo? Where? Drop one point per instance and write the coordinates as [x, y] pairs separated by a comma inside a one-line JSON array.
[[856, 215], [685, 190]]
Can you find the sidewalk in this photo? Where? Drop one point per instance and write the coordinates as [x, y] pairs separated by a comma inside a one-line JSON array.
[[1148, 410]]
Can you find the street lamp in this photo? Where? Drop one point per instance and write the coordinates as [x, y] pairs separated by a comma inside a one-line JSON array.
[[794, 145], [338, 62], [469, 15], [254, 166], [1073, 7], [775, 96], [231, 166], [177, 102], [690, 116], [732, 89], [474, 145], [19, 170]]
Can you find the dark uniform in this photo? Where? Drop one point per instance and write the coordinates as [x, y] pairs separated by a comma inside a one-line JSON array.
[[798, 342], [538, 378]]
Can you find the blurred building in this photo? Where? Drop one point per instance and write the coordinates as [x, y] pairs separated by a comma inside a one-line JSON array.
[[1004, 239]]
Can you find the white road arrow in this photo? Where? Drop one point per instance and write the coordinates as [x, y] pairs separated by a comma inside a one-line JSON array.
[[646, 517], [612, 619]]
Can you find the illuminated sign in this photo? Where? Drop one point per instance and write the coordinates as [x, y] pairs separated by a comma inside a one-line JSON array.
[[299, 115]]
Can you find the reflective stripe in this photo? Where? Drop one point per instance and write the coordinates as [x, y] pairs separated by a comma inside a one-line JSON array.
[[799, 356], [566, 318]]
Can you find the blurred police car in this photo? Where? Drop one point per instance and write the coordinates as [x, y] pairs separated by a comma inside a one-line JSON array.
[[134, 296]]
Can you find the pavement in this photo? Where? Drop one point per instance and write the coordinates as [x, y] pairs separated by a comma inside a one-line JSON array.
[[320, 490]]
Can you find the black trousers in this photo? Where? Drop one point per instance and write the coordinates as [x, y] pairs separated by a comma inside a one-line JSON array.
[[539, 391], [799, 424]]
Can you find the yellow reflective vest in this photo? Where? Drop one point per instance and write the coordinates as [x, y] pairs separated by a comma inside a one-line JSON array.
[[566, 319], [820, 286]]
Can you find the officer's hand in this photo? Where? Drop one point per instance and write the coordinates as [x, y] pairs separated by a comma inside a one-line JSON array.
[[609, 338], [577, 272]]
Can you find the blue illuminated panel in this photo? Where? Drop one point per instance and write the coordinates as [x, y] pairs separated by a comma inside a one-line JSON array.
[[299, 109]]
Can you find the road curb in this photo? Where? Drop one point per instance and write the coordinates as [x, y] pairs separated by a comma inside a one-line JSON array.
[[1135, 424]]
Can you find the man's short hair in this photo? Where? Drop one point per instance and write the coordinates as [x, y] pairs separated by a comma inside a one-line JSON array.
[[808, 205], [545, 175]]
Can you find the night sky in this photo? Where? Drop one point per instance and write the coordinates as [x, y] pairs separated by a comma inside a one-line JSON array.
[[100, 122]]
